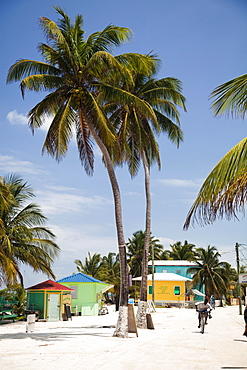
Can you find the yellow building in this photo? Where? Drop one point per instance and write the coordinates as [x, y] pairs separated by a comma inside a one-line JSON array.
[[169, 288]]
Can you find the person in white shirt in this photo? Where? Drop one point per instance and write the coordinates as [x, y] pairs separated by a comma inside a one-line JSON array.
[[203, 307]]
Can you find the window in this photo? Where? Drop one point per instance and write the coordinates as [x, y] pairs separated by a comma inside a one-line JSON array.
[[150, 289], [164, 271], [75, 290], [177, 290]]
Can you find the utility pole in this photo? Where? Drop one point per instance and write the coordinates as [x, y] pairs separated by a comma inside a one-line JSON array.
[[239, 286]]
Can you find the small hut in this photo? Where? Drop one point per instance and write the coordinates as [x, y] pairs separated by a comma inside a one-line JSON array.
[[87, 293], [49, 299]]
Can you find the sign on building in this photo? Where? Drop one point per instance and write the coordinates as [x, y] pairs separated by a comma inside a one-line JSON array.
[[243, 278]]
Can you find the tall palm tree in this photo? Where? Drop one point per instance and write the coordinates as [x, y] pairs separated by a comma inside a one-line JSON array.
[[210, 272], [75, 72], [23, 238], [136, 132], [91, 266], [181, 251], [223, 193]]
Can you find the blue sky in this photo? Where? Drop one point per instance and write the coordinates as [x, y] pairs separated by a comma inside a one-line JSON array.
[[200, 42]]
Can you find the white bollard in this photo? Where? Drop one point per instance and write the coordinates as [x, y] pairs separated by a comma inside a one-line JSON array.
[[30, 323]]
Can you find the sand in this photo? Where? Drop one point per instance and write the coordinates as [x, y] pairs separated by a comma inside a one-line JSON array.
[[86, 342]]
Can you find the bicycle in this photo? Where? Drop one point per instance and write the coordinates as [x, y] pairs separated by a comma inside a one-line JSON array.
[[203, 319]]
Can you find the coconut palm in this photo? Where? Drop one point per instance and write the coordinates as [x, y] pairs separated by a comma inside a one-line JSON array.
[[181, 251], [75, 72], [210, 272], [110, 272], [91, 266], [223, 193], [110, 269], [135, 252], [24, 239], [136, 132]]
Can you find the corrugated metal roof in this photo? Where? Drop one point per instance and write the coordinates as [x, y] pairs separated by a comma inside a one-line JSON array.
[[80, 278], [49, 285]]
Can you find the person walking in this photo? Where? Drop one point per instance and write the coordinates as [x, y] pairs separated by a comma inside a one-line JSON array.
[[212, 301]]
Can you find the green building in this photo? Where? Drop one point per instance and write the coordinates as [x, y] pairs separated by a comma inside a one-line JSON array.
[[48, 299], [87, 293]]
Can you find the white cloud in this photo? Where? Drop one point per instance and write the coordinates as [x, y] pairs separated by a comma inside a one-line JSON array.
[[166, 241], [180, 183], [17, 119], [10, 164], [83, 239], [64, 203]]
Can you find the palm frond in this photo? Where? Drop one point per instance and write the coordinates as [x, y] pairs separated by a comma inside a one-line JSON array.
[[40, 83], [224, 190], [85, 145], [60, 132], [145, 65], [27, 67], [174, 132], [106, 39], [231, 97]]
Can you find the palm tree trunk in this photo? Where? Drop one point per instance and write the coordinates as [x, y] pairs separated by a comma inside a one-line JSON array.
[[141, 317], [21, 278], [122, 324]]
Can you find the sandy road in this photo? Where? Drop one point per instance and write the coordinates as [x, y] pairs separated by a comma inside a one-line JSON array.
[[87, 343]]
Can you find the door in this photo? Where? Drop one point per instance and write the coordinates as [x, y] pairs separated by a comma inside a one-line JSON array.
[[53, 307]]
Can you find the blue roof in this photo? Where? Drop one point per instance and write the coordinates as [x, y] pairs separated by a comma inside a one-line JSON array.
[[79, 278]]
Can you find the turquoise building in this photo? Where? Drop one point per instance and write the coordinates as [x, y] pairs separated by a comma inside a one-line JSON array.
[[179, 267]]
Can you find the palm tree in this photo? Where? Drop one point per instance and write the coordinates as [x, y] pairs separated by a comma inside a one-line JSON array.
[[110, 273], [136, 132], [135, 252], [24, 239], [75, 72], [223, 193], [110, 269], [210, 272], [181, 251], [165, 255], [91, 266]]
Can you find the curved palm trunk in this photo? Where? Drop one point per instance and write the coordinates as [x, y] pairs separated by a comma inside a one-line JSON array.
[[122, 324], [142, 305], [21, 278]]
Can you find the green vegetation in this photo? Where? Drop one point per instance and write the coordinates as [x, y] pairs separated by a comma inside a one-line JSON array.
[[136, 130], [181, 251], [79, 75], [16, 294], [211, 273], [215, 275], [23, 237], [116, 102]]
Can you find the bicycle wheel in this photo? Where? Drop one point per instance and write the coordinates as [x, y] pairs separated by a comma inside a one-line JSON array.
[[203, 320]]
